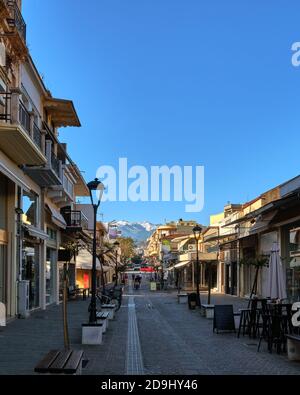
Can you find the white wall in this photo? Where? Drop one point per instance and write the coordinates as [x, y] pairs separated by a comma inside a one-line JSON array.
[[31, 86]]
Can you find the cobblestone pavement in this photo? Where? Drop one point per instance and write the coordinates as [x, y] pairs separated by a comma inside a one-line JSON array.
[[162, 336]]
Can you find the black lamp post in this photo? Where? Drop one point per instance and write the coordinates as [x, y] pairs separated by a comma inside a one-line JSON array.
[[197, 233], [96, 189], [116, 244]]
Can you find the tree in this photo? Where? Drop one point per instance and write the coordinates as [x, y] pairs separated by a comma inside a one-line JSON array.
[[71, 249], [127, 248], [258, 262]]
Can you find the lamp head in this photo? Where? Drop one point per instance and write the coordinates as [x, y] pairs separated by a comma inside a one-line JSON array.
[[96, 189], [197, 232]]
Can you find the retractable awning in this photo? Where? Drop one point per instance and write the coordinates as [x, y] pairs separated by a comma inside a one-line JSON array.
[[84, 260], [56, 217], [36, 232]]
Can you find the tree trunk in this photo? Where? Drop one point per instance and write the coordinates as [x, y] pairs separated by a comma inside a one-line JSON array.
[[65, 313]]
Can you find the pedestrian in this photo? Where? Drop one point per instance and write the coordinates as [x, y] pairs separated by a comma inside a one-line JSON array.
[[133, 276]]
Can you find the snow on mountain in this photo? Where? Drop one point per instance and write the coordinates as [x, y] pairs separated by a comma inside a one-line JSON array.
[[139, 231]]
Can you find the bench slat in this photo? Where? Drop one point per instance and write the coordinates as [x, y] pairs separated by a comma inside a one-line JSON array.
[[293, 337], [60, 361], [73, 362], [43, 365]]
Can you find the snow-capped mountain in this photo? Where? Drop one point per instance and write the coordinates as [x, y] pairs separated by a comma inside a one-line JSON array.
[[139, 231]]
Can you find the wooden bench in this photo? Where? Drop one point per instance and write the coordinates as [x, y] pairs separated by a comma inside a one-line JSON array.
[[293, 347], [103, 316], [61, 362]]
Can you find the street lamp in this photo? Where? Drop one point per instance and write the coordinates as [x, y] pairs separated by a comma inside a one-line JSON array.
[[116, 244], [197, 233], [96, 189]]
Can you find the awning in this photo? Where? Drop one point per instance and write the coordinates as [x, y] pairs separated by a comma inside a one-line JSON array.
[[219, 237], [178, 265], [205, 256], [36, 232], [84, 260], [62, 112], [262, 223], [57, 218]]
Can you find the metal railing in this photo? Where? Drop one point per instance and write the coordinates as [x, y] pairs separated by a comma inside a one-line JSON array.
[[5, 99], [17, 19], [24, 117], [55, 163], [68, 185], [37, 136], [75, 219]]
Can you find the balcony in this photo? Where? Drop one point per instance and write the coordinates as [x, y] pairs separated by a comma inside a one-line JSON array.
[[49, 175], [20, 138], [16, 20], [75, 219], [62, 194]]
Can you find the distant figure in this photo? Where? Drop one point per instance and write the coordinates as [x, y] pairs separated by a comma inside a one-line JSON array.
[[136, 283], [133, 276]]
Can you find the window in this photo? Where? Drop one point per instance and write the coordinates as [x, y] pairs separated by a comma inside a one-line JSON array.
[[52, 234], [30, 208]]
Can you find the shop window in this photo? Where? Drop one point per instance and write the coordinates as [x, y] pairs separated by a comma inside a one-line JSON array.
[[30, 208]]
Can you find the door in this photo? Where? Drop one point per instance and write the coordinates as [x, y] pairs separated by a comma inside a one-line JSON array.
[[3, 296]]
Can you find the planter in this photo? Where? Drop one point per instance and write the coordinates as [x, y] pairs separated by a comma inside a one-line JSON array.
[[91, 334]]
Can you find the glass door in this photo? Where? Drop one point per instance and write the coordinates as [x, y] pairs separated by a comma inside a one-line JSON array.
[[31, 273], [50, 275]]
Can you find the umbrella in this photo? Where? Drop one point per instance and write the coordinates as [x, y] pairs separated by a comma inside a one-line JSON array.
[[276, 283]]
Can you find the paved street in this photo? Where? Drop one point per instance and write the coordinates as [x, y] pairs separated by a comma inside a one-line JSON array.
[[152, 334]]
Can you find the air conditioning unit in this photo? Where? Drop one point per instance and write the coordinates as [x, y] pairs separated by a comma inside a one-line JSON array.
[[192, 247], [23, 290]]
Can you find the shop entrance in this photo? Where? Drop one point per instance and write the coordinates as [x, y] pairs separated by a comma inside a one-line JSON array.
[[31, 272], [50, 275]]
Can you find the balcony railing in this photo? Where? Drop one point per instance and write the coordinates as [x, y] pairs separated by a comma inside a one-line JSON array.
[[5, 100], [55, 163], [24, 117], [37, 135], [21, 116], [16, 19], [68, 185], [75, 219]]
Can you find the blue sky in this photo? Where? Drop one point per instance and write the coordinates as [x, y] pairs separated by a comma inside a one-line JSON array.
[[176, 82]]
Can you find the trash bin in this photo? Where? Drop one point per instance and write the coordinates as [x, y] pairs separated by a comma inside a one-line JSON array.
[[192, 300]]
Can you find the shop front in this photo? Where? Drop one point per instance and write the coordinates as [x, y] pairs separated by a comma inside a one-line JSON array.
[[290, 244], [31, 271]]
